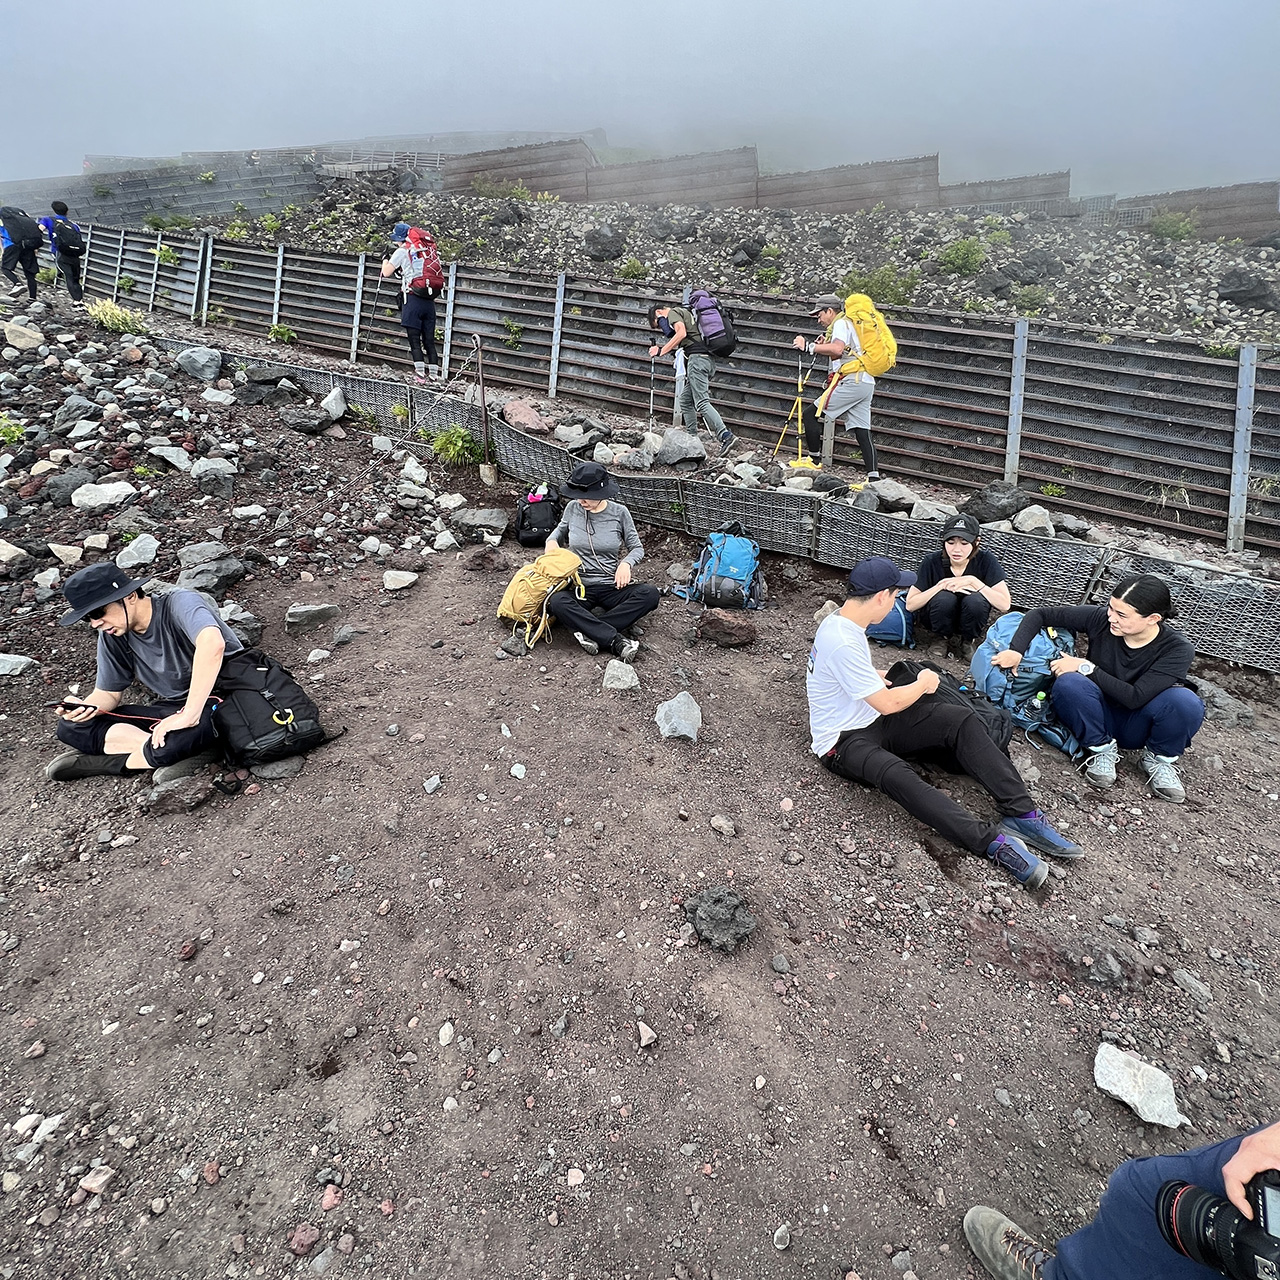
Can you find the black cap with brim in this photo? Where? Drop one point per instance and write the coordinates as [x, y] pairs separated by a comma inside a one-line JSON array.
[[878, 573], [94, 587], [589, 482]]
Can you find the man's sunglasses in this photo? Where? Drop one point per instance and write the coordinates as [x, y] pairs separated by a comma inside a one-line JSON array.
[[95, 614]]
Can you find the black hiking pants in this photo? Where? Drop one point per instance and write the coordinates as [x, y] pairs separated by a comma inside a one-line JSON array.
[[70, 268], [877, 755], [965, 614], [813, 437], [622, 606], [418, 316], [26, 259]]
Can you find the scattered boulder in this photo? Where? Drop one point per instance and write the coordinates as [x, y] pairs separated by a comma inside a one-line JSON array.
[[214, 396], [728, 628], [398, 580], [679, 445], [179, 795], [893, 496], [720, 917], [58, 489], [924, 510], [307, 617], [1249, 291], [471, 524], [620, 676], [1145, 1089], [14, 664], [214, 476], [200, 362], [96, 498], [202, 553], [334, 404], [311, 422], [178, 459], [1224, 710], [214, 577], [22, 338], [1034, 519], [140, 551], [998, 500], [73, 408], [679, 717], [605, 243], [523, 416]]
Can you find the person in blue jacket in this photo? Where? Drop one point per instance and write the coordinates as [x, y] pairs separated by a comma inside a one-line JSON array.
[[66, 244]]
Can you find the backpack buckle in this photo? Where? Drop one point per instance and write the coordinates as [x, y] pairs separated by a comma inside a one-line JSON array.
[[286, 719]]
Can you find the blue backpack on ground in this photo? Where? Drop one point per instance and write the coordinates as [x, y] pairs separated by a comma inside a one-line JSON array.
[[897, 627], [727, 575], [1026, 695]]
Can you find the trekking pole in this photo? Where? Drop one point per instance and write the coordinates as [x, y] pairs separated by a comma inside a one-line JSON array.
[[488, 472], [364, 346], [652, 363], [797, 406]]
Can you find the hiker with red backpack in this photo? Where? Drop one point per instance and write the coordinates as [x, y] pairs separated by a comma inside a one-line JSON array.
[[66, 243], [859, 345], [421, 281]]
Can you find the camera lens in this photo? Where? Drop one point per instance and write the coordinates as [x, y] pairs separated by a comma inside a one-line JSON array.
[[1186, 1215]]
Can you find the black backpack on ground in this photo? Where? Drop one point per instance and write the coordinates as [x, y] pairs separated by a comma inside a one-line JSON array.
[[537, 515], [68, 242], [264, 714], [995, 720], [23, 232]]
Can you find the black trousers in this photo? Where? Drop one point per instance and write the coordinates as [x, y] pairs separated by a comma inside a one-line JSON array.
[[26, 259], [964, 614], [622, 606], [813, 437], [70, 268], [878, 755], [90, 737], [418, 316]]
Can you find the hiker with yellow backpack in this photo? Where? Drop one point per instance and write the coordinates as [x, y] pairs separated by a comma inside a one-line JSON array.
[[860, 347]]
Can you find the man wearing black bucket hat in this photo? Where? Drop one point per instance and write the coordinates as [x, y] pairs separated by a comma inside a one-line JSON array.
[[866, 730], [173, 644], [602, 534]]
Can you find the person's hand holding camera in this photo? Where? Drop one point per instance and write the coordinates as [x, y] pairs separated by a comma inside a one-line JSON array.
[[1257, 1153]]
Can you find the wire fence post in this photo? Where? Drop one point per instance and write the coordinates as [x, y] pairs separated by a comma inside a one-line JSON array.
[[88, 255], [556, 327], [1238, 503], [199, 280], [155, 270], [208, 279], [448, 321], [355, 317], [275, 298], [1017, 393], [115, 284]]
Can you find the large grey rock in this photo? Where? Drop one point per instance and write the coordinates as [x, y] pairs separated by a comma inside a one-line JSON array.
[[1034, 519], [214, 476], [214, 396], [202, 553], [1249, 291], [21, 337], [200, 362], [58, 489], [635, 460], [414, 471], [925, 510], [720, 917], [1224, 710], [307, 617], [214, 577], [619, 676], [141, 551], [893, 496], [471, 524], [679, 446], [1145, 1089], [277, 770], [1192, 985], [96, 498], [998, 500], [605, 244], [398, 580], [334, 404], [177, 458], [180, 795], [679, 717], [14, 664], [73, 409], [263, 373], [311, 422]]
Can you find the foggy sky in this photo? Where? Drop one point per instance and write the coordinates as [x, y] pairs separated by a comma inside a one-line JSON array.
[[1134, 96]]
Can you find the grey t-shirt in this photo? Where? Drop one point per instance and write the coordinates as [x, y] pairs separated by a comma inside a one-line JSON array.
[[160, 657], [597, 538]]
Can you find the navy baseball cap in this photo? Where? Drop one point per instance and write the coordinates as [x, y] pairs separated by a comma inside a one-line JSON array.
[[400, 232], [877, 573]]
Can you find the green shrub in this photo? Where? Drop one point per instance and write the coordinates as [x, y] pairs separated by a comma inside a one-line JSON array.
[[491, 188], [207, 176], [400, 412], [226, 265], [456, 447], [448, 248], [767, 275], [771, 251], [10, 431], [365, 417], [126, 284], [237, 230], [143, 472], [238, 207], [166, 256], [886, 286], [962, 257], [1221, 350], [115, 318], [1053, 490], [1001, 237], [281, 333], [270, 223], [514, 333], [1169, 224], [101, 190], [633, 269], [1030, 298], [174, 222], [47, 275]]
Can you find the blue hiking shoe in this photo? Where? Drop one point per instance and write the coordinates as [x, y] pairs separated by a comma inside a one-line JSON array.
[[1035, 830], [1009, 852]]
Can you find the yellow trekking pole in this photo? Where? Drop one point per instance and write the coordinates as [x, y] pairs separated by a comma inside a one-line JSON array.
[[797, 412]]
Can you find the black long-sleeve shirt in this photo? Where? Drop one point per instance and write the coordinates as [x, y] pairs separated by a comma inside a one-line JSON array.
[[1131, 677]]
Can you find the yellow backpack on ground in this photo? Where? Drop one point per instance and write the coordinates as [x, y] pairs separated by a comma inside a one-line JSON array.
[[879, 346], [525, 599]]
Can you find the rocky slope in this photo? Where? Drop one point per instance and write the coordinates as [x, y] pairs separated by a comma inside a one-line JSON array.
[[1221, 294]]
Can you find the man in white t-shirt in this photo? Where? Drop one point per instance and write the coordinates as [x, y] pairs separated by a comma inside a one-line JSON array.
[[850, 401], [866, 730]]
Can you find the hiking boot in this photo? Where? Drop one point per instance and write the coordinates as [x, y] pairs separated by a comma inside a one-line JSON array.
[[1100, 765], [1002, 1247], [433, 373], [625, 650], [1033, 828], [589, 645], [183, 768], [872, 477], [968, 648], [1162, 777], [727, 442], [1009, 852], [71, 766]]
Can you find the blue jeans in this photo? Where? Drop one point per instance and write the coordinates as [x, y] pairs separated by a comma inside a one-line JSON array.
[[1123, 1241], [1166, 724]]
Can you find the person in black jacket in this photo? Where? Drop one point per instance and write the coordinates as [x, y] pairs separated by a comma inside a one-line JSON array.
[[1129, 694], [958, 587]]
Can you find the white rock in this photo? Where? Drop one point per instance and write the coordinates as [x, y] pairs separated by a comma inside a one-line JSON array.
[[177, 458], [575, 1177], [214, 396], [9, 553], [446, 1035], [334, 404], [414, 471], [398, 580], [382, 444], [97, 542], [517, 770], [444, 541], [141, 550], [647, 1034], [251, 512], [68, 555], [317, 655], [1145, 1089], [42, 467], [1034, 519], [96, 498], [14, 664], [620, 676], [679, 717], [46, 578], [450, 501]]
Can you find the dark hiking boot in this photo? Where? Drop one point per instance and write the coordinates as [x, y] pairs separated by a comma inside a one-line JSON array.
[[1034, 829], [1002, 1247], [588, 644], [1009, 852], [184, 768], [625, 650], [71, 766]]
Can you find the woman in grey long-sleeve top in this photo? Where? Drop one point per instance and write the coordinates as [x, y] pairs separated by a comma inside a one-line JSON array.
[[602, 534]]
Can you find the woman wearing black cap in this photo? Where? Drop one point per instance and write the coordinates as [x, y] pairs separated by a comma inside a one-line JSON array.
[[602, 534], [958, 587]]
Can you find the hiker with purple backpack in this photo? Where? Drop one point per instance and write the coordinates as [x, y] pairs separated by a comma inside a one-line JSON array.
[[681, 331]]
